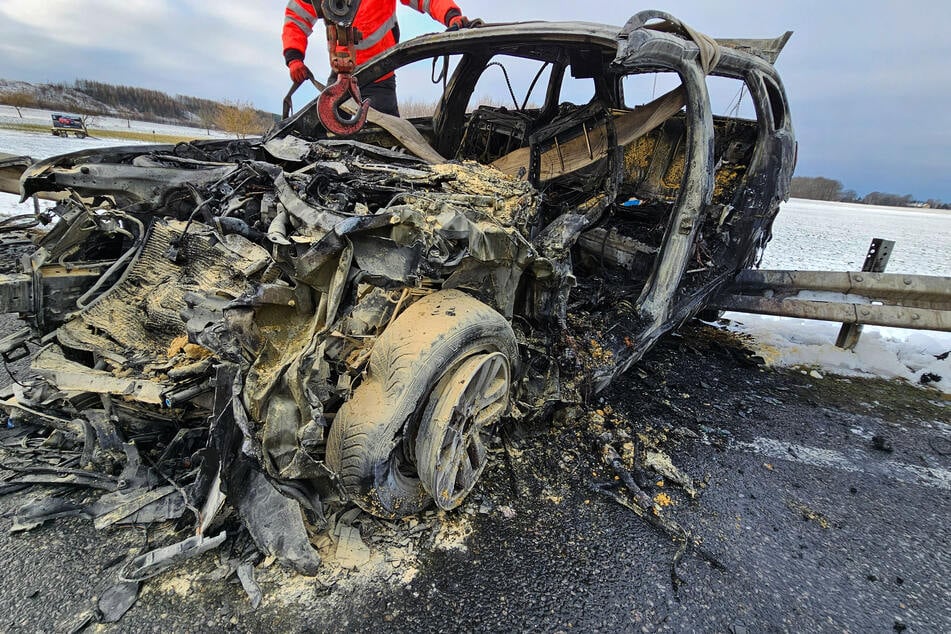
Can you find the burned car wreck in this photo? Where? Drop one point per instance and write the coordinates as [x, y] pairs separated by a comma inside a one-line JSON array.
[[283, 323]]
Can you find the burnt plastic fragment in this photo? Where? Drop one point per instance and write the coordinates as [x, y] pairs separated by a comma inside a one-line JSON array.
[[140, 505], [274, 521], [36, 513], [157, 561], [117, 600], [251, 587]]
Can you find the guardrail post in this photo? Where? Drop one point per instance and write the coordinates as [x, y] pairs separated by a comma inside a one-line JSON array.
[[875, 262]]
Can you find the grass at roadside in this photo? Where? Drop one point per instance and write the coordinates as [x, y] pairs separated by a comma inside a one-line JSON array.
[[127, 135]]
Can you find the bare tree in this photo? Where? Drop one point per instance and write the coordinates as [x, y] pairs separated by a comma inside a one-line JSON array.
[[127, 115], [240, 119], [816, 188], [886, 199], [19, 99], [209, 113]]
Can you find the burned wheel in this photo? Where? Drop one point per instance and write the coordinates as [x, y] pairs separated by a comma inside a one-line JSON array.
[[430, 362], [451, 442]]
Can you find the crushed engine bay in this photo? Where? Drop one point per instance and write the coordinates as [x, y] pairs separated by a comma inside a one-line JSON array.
[[205, 324]]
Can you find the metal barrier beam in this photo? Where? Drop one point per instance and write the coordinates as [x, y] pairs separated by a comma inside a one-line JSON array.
[[921, 291], [843, 312], [878, 299]]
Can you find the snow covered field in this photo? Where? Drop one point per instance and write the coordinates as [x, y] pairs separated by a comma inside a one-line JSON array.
[[816, 235], [807, 235], [41, 146]]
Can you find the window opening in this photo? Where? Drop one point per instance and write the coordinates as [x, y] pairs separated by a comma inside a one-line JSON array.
[[730, 97], [776, 103]]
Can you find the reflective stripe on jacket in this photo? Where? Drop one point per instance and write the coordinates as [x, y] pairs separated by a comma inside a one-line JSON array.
[[376, 21]]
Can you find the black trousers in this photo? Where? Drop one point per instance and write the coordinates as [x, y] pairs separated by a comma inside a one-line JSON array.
[[382, 94]]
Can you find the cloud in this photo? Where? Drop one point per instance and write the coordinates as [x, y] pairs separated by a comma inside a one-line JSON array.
[[120, 23]]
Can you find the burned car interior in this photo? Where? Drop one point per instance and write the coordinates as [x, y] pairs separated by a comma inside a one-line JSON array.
[[303, 320]]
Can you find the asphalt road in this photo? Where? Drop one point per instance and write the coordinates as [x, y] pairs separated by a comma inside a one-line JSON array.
[[805, 523]]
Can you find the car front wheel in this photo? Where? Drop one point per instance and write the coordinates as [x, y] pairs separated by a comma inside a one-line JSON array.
[[415, 430]]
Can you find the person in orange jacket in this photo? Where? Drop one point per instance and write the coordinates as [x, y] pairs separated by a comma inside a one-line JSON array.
[[376, 21]]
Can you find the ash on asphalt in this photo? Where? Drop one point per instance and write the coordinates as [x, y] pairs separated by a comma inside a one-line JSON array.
[[814, 527]]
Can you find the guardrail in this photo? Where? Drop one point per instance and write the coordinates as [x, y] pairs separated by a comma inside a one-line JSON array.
[[920, 302]]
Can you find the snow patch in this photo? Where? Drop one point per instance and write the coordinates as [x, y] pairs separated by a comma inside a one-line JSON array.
[[884, 352]]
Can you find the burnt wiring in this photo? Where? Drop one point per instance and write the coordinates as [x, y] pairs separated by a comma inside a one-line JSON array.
[[443, 77], [119, 263], [6, 366], [199, 519], [443, 73], [734, 108], [531, 87], [202, 203], [508, 83]]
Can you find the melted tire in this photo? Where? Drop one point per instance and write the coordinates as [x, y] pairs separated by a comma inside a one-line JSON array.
[[430, 338]]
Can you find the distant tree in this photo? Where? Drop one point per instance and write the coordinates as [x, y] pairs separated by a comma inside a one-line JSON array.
[[130, 103], [128, 116], [208, 113], [934, 203], [850, 196], [240, 119], [19, 99], [153, 103], [816, 188], [884, 199]]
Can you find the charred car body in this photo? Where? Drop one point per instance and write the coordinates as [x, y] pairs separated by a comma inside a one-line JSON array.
[[308, 317]]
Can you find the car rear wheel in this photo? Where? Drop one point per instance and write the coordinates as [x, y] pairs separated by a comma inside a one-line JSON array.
[[414, 430]]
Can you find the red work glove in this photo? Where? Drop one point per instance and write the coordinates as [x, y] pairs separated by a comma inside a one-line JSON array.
[[457, 22], [299, 72]]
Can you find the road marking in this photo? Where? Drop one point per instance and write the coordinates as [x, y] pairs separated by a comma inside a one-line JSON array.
[[856, 462]]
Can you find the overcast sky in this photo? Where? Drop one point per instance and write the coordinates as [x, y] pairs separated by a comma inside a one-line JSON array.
[[868, 81]]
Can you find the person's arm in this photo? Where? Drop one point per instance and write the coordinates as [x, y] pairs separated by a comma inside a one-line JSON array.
[[299, 19], [446, 12]]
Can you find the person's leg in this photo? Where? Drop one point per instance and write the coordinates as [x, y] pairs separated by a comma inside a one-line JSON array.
[[382, 96]]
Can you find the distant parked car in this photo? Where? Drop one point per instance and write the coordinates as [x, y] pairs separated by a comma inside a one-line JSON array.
[[63, 124]]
